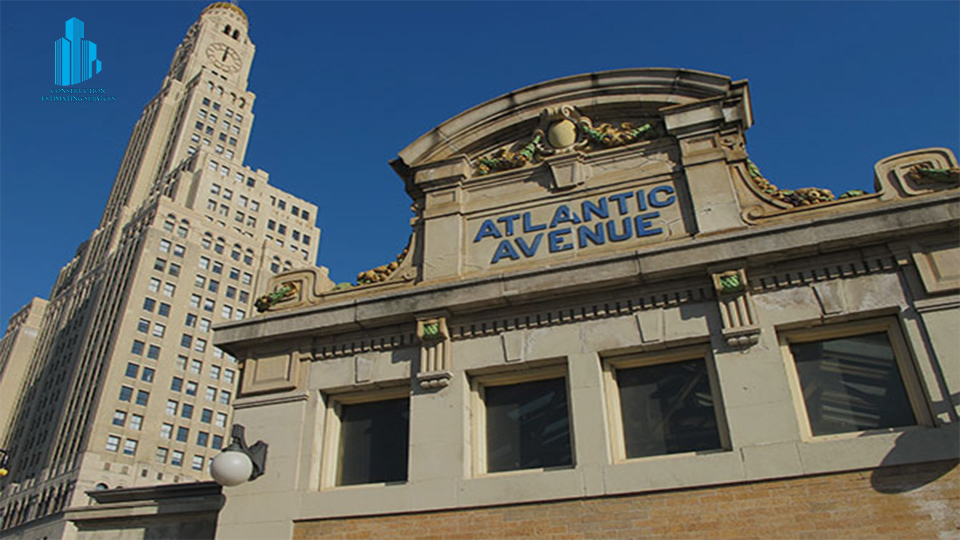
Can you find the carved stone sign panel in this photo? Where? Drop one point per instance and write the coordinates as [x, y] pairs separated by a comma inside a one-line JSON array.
[[614, 219]]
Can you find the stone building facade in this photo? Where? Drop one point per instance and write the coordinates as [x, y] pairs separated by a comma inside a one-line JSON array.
[[608, 323], [125, 387], [18, 342]]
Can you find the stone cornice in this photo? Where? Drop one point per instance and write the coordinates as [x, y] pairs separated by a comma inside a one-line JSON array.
[[685, 258]]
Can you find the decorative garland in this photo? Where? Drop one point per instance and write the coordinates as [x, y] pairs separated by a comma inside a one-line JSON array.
[[797, 197], [920, 172], [589, 137], [269, 300], [380, 273]]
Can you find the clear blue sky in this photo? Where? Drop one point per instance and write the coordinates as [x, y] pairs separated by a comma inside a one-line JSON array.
[[342, 87]]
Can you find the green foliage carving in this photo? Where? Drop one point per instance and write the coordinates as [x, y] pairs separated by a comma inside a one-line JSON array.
[[269, 300], [431, 330], [796, 197], [951, 175], [731, 283]]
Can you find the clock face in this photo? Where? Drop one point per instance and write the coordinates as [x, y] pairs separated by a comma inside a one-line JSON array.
[[224, 58]]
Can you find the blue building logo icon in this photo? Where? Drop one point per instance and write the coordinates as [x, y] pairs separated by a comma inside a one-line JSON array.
[[75, 58]]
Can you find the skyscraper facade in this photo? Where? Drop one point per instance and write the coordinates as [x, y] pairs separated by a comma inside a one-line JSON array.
[[122, 385]]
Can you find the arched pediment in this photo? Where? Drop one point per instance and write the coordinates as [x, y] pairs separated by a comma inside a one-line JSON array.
[[604, 96]]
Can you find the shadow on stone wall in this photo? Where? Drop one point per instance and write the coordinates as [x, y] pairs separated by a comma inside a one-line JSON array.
[[899, 471]]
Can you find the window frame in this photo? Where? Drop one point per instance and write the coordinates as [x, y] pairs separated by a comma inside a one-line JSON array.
[[330, 467], [112, 444], [905, 361], [611, 390], [479, 382]]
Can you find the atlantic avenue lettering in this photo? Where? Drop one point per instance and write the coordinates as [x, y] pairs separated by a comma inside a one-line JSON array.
[[592, 222]]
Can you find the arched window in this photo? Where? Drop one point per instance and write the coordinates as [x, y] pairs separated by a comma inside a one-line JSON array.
[[227, 30], [236, 34]]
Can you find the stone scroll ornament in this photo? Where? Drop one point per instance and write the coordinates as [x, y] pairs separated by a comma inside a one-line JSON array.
[[562, 130], [267, 301]]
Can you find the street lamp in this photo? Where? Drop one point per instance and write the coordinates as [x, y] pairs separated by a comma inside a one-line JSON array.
[[239, 462]]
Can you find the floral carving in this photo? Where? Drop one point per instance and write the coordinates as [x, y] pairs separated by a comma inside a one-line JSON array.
[[269, 300], [796, 197], [505, 159], [559, 131], [381, 273], [922, 172]]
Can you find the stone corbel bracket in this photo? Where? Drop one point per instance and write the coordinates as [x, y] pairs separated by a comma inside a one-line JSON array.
[[434, 351], [737, 310]]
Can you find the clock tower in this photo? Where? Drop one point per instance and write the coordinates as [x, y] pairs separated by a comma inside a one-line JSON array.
[[203, 104], [124, 386], [219, 42]]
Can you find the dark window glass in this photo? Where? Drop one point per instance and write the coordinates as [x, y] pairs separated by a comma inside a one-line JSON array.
[[852, 384], [374, 438], [153, 352], [183, 434], [142, 397], [667, 408], [528, 426], [132, 370]]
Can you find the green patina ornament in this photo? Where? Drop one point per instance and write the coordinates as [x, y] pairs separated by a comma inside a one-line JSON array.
[[269, 300], [634, 133], [731, 283], [431, 330], [607, 135], [937, 175], [852, 193], [343, 286]]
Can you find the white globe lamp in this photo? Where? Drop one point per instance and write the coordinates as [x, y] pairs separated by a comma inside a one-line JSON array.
[[231, 468], [238, 462]]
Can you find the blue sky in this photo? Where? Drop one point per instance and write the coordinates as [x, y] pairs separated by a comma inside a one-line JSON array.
[[342, 87]]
